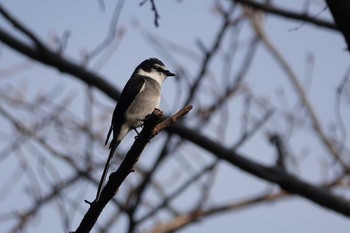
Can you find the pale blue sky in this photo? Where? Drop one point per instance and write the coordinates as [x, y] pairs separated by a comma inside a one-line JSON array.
[[184, 23]]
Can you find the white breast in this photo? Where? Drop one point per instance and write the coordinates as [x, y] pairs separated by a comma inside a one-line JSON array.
[[144, 103]]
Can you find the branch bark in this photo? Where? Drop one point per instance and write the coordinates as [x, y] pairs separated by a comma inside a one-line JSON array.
[[46, 56], [340, 11], [290, 183], [150, 130], [268, 8]]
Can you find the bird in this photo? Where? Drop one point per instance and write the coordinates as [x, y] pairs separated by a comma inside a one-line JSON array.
[[139, 97]]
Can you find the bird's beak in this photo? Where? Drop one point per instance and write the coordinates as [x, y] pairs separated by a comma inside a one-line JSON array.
[[168, 73]]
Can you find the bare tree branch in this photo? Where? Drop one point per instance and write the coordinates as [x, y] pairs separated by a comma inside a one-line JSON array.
[[269, 8], [288, 182], [150, 130], [257, 25], [340, 11], [186, 219], [155, 11], [221, 103], [21, 28], [52, 59]]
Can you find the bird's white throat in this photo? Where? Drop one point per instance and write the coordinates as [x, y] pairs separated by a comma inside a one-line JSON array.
[[157, 76]]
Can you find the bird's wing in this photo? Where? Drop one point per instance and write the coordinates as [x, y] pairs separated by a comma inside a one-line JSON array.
[[130, 91]]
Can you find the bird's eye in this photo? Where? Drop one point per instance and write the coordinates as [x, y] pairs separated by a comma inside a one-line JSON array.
[[157, 68]]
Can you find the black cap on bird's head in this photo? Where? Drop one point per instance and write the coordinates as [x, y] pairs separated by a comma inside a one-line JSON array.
[[154, 64], [148, 63]]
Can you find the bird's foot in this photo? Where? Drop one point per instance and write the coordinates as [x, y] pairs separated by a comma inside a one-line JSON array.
[[137, 133]]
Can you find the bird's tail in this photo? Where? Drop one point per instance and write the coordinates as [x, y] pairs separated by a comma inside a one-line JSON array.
[[105, 170]]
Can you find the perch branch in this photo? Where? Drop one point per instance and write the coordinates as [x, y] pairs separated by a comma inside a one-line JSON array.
[[128, 164]]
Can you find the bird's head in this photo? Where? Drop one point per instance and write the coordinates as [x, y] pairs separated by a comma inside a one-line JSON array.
[[153, 68]]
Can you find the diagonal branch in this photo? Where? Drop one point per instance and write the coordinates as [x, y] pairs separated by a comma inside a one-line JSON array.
[[340, 12], [209, 54], [150, 130], [290, 183], [258, 27], [185, 219], [268, 8], [21, 27], [62, 64], [274, 175], [155, 11]]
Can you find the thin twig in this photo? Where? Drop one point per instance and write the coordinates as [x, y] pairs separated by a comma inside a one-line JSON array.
[[154, 9], [297, 86], [111, 33], [21, 28], [171, 120], [268, 8]]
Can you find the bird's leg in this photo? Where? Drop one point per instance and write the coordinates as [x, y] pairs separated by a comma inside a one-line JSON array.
[[135, 129], [141, 124], [142, 121], [137, 132]]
